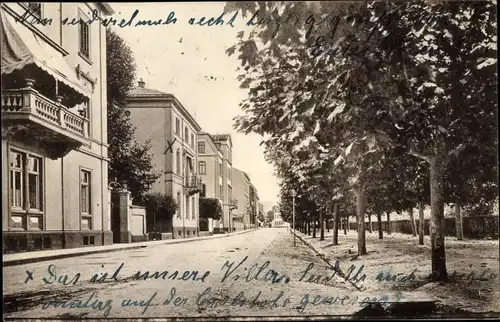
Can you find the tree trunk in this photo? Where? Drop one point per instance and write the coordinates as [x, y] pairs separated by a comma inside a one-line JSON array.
[[412, 222], [421, 223], [437, 219], [335, 224], [370, 227], [314, 227], [389, 230], [380, 230], [344, 220], [309, 227], [321, 226], [360, 216], [347, 222], [459, 221]]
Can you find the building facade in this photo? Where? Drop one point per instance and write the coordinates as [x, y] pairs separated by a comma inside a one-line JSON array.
[[173, 144], [254, 205], [54, 127], [241, 192], [277, 220], [215, 168]]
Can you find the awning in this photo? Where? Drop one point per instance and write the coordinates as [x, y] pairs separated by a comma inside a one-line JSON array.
[[20, 47]]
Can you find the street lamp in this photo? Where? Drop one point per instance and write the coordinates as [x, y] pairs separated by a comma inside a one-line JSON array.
[[294, 193]]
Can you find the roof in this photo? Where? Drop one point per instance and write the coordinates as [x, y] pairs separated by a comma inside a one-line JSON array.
[[141, 93], [223, 137], [106, 8]]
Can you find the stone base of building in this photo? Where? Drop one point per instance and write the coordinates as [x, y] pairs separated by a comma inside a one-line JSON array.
[[186, 232], [43, 240], [159, 236]]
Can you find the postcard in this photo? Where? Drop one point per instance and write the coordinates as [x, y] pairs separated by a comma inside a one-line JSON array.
[[239, 161]]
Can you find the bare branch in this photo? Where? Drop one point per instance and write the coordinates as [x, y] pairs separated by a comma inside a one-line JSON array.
[[456, 151], [426, 157]]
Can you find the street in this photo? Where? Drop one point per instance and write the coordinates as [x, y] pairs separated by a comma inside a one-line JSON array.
[[232, 276]]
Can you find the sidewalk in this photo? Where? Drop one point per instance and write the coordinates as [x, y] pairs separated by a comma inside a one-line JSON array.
[[472, 265], [44, 255]]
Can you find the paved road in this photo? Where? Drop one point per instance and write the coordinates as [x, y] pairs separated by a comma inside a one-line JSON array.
[[216, 278]]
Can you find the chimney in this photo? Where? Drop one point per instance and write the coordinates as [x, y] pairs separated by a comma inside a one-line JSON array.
[[141, 83]]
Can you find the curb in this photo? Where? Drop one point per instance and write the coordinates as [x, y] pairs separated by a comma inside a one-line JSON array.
[[22, 261]]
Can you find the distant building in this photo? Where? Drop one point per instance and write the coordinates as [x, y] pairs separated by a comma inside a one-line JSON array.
[[261, 214], [173, 132], [241, 191], [254, 202], [215, 169], [278, 221]]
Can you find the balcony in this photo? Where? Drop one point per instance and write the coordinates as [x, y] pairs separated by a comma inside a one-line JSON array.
[[192, 185], [27, 115], [233, 204]]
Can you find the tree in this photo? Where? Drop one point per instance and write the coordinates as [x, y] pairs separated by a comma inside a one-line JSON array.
[[210, 208], [269, 216], [159, 210], [130, 163], [418, 75], [261, 217], [447, 66]]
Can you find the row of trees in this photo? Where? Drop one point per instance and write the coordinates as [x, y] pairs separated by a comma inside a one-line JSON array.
[[375, 107]]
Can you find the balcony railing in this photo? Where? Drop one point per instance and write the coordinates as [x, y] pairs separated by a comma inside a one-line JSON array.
[[49, 119], [192, 185]]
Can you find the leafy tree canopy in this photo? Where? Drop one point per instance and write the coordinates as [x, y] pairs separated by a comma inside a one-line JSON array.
[[210, 208]]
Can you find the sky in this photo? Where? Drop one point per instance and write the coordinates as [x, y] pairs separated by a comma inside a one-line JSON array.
[[189, 61]]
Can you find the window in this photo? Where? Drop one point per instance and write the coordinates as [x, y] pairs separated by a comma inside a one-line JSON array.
[[220, 169], [178, 162], [229, 173], [178, 204], [203, 190], [186, 134], [220, 192], [177, 126], [187, 207], [202, 167], [201, 147], [85, 199], [193, 215], [84, 32], [192, 140], [25, 190]]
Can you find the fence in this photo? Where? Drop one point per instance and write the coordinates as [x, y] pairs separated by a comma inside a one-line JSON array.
[[474, 227]]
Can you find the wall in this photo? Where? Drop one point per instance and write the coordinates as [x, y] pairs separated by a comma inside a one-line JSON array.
[[474, 227], [138, 223], [141, 117]]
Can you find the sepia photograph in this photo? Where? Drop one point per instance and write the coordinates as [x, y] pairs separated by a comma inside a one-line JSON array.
[[250, 160]]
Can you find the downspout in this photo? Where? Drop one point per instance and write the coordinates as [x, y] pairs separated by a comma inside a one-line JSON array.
[[62, 159], [103, 138], [60, 24], [62, 205]]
